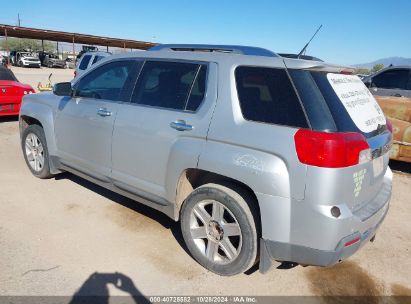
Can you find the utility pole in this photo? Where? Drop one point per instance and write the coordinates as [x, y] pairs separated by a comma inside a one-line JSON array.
[[18, 20]]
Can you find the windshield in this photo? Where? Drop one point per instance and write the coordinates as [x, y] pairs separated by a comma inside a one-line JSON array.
[[338, 103]]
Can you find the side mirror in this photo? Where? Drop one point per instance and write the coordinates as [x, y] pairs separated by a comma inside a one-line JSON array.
[[63, 89]]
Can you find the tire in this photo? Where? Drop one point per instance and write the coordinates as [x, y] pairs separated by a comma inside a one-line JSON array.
[[33, 138], [20, 64], [203, 236], [50, 65]]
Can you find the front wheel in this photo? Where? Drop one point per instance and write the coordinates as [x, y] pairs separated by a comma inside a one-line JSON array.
[[33, 142], [219, 229]]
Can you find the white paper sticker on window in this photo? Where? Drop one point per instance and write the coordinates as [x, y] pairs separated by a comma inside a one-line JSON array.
[[358, 101]]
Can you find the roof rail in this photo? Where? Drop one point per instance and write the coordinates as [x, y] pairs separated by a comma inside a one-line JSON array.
[[233, 49]]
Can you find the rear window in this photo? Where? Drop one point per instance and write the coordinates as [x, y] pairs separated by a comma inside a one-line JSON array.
[[338, 103], [267, 95], [84, 62], [392, 79], [6, 74]]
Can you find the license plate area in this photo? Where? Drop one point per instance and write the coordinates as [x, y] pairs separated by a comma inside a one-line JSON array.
[[378, 166], [7, 107]]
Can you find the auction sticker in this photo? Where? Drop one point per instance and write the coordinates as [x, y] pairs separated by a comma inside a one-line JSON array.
[[358, 101]]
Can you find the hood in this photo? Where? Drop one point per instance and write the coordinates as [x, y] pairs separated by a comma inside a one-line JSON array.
[[30, 57]]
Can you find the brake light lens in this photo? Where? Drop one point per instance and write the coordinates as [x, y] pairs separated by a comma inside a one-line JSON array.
[[331, 150]]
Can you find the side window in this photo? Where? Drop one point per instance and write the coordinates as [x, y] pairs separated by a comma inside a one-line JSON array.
[[97, 58], [105, 82], [168, 85], [392, 79], [84, 62], [267, 95], [198, 90]]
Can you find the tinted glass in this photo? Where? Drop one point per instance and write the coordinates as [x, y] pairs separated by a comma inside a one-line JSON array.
[[267, 95], [197, 90], [105, 82], [165, 84], [97, 58], [392, 79], [84, 63], [341, 117], [6, 74]]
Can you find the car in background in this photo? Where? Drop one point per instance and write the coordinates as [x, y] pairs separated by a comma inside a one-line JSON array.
[[11, 92], [392, 89], [25, 59], [3, 60], [87, 60], [53, 61], [70, 64]]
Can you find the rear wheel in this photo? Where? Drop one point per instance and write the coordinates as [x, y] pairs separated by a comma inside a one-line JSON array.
[[219, 229], [35, 151]]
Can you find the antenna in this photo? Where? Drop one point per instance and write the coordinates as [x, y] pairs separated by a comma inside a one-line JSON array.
[[305, 46]]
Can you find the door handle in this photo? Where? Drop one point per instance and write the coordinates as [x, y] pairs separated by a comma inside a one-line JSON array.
[[180, 125], [103, 112]]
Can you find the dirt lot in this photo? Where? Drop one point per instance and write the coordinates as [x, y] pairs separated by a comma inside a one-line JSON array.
[[33, 76], [66, 235]]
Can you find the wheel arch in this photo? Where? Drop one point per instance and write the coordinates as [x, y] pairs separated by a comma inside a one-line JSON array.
[[191, 179]]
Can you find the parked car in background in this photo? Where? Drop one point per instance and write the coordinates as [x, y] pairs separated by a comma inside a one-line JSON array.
[[53, 61], [70, 63], [25, 59], [392, 89], [11, 92], [259, 157], [3, 60], [87, 60]]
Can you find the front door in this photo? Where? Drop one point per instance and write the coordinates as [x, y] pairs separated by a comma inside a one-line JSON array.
[[84, 122]]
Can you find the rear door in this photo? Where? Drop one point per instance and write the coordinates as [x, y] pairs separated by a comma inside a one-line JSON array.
[[168, 115], [84, 123]]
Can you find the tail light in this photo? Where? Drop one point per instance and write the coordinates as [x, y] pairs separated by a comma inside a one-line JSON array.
[[389, 125], [331, 150], [75, 73]]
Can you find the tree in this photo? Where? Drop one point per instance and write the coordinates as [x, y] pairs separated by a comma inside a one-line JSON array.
[[19, 44], [362, 71], [377, 67]]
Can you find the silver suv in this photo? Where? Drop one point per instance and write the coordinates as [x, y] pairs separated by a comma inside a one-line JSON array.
[[259, 157]]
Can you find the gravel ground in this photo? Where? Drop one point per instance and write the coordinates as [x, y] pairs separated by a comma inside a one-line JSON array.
[[65, 236]]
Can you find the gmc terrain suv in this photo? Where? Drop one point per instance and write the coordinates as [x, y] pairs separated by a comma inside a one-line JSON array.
[[259, 157]]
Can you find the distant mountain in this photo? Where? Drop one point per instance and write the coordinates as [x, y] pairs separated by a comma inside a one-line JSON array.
[[386, 62]]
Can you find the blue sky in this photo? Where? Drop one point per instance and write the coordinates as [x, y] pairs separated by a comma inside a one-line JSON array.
[[353, 31]]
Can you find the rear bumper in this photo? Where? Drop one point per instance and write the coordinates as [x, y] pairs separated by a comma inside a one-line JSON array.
[[314, 239], [271, 250], [31, 64], [10, 107]]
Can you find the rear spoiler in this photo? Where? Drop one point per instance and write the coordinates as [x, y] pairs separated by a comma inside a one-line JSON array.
[[317, 66]]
